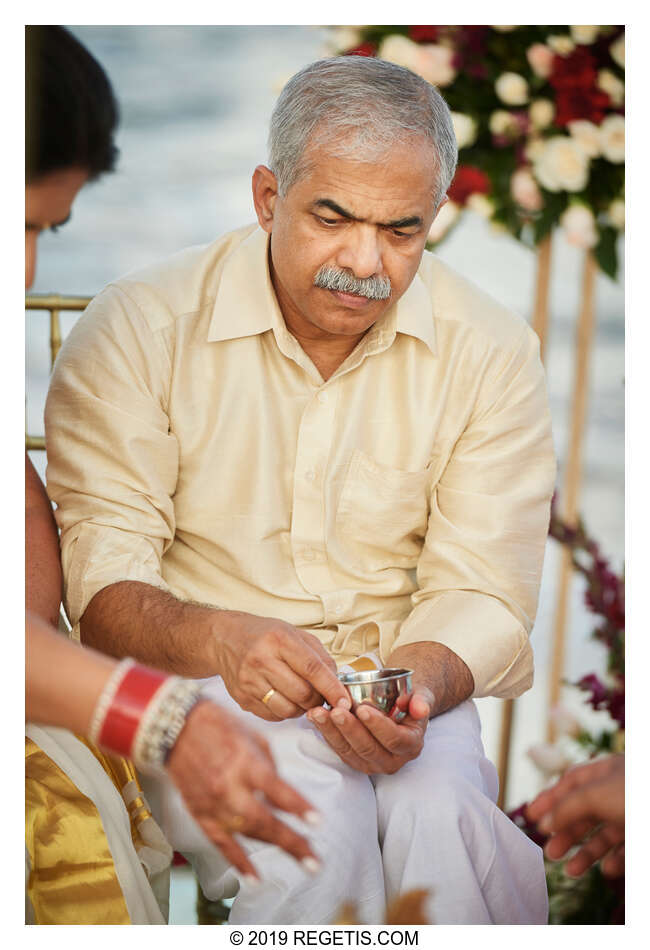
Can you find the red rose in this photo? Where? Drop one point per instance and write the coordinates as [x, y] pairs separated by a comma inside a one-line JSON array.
[[468, 180], [423, 34], [470, 46], [575, 71], [573, 103], [477, 70], [591, 684], [363, 49], [617, 707]]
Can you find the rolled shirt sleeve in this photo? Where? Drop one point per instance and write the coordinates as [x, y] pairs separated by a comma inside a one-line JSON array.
[[480, 567], [112, 460]]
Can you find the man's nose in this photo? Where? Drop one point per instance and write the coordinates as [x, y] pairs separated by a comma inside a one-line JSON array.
[[361, 252]]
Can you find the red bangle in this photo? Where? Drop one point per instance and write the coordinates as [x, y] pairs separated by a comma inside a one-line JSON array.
[[134, 693]]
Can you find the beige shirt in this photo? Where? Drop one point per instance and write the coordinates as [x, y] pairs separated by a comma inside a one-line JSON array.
[[193, 445]]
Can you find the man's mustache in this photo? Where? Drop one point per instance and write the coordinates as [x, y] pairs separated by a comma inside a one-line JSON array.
[[331, 278]]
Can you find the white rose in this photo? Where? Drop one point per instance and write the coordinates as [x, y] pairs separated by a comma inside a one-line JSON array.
[[465, 129], [343, 37], [562, 165], [436, 64], [612, 138], [534, 147], [445, 218], [525, 190], [480, 204], [540, 58], [617, 51], [562, 45], [612, 85], [549, 759], [503, 123], [579, 226], [400, 50], [512, 89], [541, 113], [587, 135], [584, 34], [616, 214]]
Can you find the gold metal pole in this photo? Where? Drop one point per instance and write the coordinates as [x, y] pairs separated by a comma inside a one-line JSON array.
[[573, 472], [34, 443], [505, 743], [55, 302], [540, 326], [55, 335], [542, 283]]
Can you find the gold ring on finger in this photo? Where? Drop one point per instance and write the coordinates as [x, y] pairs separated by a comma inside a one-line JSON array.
[[267, 696], [236, 823]]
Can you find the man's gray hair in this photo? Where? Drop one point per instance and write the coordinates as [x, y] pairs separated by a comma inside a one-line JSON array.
[[358, 107]]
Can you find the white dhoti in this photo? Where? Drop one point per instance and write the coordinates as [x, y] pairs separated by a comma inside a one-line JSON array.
[[432, 825]]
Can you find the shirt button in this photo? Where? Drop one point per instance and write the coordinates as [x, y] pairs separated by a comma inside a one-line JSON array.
[[310, 475], [322, 398], [338, 610]]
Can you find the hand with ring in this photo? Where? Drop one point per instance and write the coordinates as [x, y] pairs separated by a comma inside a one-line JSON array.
[[273, 669], [228, 780]]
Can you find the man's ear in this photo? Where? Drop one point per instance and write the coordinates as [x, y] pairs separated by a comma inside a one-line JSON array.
[[265, 193]]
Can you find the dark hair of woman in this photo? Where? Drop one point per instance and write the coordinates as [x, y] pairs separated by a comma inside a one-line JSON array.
[[70, 110]]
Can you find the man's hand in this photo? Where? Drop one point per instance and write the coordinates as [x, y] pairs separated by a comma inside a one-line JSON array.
[[371, 741], [257, 655], [587, 800], [227, 778]]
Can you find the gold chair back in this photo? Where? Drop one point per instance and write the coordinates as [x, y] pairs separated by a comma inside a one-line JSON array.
[[54, 304]]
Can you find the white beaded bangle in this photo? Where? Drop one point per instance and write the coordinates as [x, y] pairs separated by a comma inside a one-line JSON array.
[[106, 697], [162, 722]]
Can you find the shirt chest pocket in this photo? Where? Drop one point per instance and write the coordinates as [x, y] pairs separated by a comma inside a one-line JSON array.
[[383, 511]]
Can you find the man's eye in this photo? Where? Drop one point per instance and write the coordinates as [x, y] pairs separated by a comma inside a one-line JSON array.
[[330, 222], [402, 234]]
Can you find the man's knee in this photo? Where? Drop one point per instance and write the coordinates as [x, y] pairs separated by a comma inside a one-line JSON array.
[[446, 800]]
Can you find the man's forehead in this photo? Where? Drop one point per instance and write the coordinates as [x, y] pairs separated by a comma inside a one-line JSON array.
[[398, 179]]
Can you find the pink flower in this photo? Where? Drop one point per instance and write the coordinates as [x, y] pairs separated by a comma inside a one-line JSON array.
[[540, 58], [549, 758], [579, 226], [525, 190], [565, 722]]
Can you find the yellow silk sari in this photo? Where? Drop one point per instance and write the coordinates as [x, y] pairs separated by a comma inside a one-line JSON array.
[[95, 854]]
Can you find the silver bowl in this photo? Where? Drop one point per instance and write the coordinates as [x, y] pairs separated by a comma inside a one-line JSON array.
[[379, 688]]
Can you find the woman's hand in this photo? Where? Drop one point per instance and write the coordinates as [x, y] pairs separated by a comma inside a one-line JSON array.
[[228, 780]]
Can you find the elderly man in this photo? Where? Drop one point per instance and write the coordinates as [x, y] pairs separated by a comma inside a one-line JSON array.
[[308, 441]]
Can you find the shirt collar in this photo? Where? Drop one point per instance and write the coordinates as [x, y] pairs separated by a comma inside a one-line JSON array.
[[246, 304]]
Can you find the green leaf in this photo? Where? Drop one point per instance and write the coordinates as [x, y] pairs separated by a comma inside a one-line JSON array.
[[605, 252], [554, 205]]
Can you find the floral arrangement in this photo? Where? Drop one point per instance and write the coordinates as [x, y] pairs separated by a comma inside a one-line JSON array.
[[538, 113], [591, 899]]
